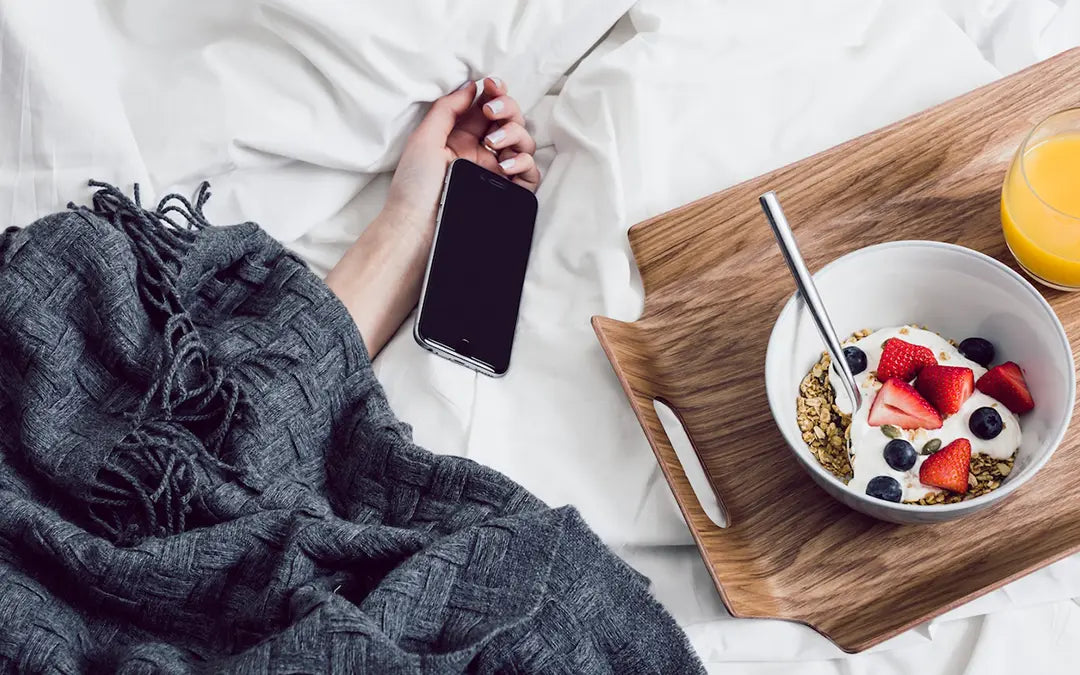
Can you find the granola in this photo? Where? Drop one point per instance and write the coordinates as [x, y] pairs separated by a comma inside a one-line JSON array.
[[824, 426]]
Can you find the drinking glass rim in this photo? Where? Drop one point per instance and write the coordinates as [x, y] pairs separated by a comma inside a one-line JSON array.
[[1023, 168]]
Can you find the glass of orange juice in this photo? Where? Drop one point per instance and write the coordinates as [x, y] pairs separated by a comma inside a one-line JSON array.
[[1040, 202]]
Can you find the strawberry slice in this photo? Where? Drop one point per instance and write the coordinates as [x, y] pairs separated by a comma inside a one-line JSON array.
[[948, 468], [897, 403], [903, 360], [1006, 384], [946, 387]]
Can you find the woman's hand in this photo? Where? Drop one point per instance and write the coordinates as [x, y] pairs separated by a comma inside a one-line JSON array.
[[379, 277], [489, 131]]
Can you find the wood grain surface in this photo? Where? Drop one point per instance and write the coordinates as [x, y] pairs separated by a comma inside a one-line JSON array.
[[715, 283]]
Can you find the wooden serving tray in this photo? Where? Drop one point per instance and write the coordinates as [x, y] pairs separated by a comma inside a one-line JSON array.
[[715, 283]]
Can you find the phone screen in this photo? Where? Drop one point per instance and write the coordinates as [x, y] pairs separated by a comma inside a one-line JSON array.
[[470, 301]]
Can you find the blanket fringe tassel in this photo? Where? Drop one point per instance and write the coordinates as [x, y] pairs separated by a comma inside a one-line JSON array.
[[149, 482]]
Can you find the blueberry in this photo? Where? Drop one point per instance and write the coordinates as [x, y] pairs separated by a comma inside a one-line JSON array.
[[899, 454], [985, 423], [856, 359], [884, 487], [978, 350]]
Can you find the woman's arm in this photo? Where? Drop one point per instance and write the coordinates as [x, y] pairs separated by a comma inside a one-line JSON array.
[[379, 277]]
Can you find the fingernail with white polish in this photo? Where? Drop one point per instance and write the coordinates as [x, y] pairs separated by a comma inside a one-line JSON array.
[[507, 164], [495, 136], [497, 81], [465, 84], [495, 106]]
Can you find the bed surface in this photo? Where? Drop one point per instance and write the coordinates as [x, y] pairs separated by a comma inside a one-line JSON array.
[[296, 112]]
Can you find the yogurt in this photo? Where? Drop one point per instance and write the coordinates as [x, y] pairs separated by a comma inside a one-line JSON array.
[[868, 442]]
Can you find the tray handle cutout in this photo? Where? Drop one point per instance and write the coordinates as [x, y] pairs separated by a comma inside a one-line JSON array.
[[634, 368], [692, 467]]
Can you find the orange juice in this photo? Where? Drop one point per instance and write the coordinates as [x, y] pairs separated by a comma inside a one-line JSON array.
[[1040, 208]]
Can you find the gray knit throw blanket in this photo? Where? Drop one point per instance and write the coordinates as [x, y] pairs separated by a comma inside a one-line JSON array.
[[201, 473]]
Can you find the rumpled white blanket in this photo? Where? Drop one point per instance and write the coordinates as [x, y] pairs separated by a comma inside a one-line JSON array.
[[296, 110]]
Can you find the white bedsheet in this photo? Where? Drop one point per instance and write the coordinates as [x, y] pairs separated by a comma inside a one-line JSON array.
[[295, 110]]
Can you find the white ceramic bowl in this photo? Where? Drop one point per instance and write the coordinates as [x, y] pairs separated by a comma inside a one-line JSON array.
[[957, 293]]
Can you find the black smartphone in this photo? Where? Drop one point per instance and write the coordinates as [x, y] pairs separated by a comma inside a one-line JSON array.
[[472, 288]]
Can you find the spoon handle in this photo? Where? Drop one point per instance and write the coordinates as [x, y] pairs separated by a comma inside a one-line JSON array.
[[805, 283]]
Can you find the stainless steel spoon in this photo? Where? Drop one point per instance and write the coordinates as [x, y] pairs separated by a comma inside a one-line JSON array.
[[805, 283]]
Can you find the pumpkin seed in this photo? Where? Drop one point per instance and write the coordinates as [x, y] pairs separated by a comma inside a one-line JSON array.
[[890, 431], [931, 446]]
